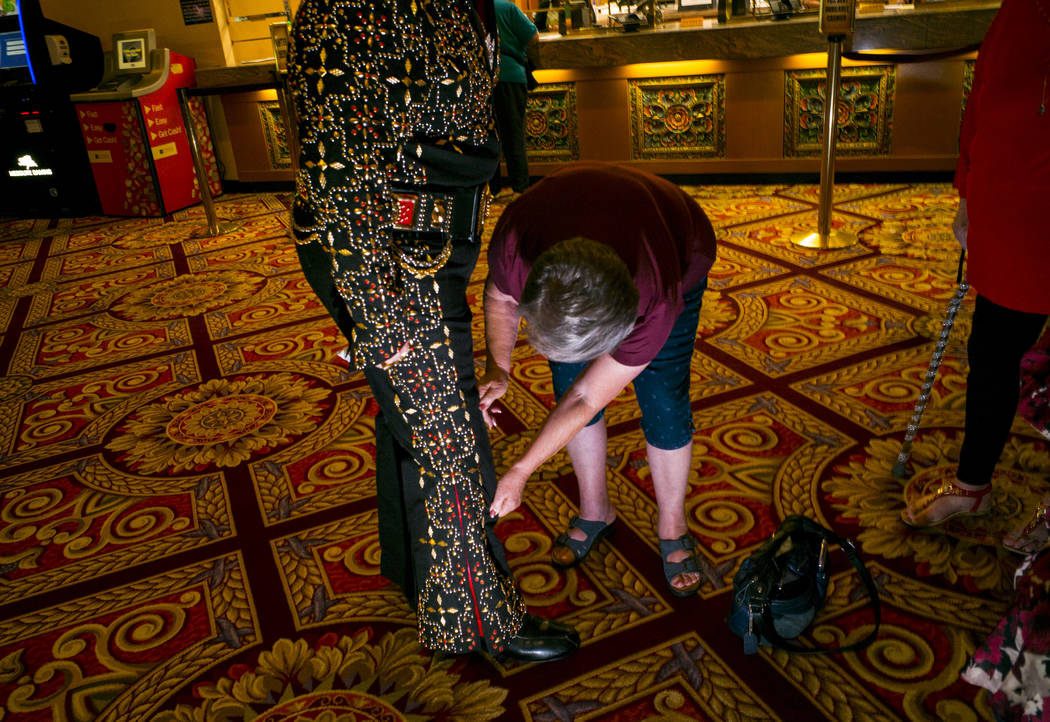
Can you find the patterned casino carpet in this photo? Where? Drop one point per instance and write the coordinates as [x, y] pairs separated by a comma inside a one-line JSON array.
[[187, 525]]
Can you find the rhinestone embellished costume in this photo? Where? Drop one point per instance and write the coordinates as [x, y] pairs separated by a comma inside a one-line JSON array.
[[396, 93]]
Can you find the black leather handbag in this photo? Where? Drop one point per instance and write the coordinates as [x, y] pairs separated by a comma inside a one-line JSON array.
[[781, 586]]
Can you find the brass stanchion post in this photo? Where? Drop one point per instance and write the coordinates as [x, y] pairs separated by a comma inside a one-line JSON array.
[[286, 117], [215, 226], [836, 20], [280, 40]]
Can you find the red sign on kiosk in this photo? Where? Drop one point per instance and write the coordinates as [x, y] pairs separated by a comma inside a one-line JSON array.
[[134, 132]]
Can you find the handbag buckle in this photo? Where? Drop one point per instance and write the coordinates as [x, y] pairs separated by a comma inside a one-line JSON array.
[[753, 610]]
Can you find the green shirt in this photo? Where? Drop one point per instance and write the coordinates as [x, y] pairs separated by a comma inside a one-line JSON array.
[[515, 32]]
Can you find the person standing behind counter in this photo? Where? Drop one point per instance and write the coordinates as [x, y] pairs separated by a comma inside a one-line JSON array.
[[608, 266], [392, 99], [518, 39]]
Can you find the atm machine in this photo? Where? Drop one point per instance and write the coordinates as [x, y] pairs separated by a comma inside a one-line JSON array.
[[45, 169], [134, 132]]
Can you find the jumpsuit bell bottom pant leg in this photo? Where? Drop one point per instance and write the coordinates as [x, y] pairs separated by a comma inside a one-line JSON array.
[[435, 477], [434, 471]]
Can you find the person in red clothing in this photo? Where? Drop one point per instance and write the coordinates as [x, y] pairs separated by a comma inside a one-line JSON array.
[[608, 266], [1003, 178]]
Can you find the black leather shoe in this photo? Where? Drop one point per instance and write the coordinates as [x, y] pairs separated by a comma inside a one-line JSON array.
[[541, 640]]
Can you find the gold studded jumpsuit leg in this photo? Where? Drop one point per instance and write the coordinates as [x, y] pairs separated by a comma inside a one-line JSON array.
[[397, 92]]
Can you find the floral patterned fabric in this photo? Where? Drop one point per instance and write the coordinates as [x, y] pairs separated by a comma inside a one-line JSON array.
[[1035, 386], [1013, 664]]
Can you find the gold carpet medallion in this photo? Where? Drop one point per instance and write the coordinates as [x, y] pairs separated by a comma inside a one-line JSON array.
[[222, 420], [966, 549], [342, 677], [188, 295], [222, 423]]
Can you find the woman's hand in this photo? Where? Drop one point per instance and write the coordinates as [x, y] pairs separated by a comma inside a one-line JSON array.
[[592, 391], [508, 493], [492, 385], [961, 223]]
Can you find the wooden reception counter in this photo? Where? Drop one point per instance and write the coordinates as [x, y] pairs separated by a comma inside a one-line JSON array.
[[743, 97], [929, 26]]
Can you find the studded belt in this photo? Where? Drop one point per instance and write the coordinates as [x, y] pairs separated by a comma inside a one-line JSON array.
[[427, 223], [458, 212]]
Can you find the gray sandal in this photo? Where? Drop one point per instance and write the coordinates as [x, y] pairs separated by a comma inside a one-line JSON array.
[[686, 542], [595, 531]]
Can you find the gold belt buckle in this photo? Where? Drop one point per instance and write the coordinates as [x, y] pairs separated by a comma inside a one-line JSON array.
[[439, 214]]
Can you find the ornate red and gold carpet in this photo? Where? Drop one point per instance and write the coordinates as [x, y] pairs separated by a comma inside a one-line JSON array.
[[187, 520]]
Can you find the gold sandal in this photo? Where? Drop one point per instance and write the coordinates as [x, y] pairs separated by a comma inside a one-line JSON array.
[[1034, 535], [946, 489]]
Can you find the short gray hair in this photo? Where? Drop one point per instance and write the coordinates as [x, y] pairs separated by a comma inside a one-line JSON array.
[[579, 301]]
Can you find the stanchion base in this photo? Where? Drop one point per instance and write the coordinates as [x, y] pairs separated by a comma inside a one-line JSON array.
[[221, 229], [834, 239]]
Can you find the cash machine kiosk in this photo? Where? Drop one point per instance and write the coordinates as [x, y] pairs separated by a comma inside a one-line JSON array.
[[134, 131], [44, 167]]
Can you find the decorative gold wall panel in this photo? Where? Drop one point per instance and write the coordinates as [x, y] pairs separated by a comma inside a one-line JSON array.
[[275, 135], [681, 117], [968, 68], [865, 111], [551, 123]]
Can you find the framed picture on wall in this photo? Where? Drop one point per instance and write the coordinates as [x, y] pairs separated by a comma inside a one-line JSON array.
[[696, 5]]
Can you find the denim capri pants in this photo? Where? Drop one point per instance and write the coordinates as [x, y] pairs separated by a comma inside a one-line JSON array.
[[662, 387]]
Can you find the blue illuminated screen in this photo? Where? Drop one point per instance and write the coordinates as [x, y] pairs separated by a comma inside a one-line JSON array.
[[13, 51]]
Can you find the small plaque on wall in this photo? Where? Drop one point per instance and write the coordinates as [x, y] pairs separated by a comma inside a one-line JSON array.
[[195, 12]]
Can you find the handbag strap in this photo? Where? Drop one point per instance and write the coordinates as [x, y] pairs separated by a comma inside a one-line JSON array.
[[768, 629]]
